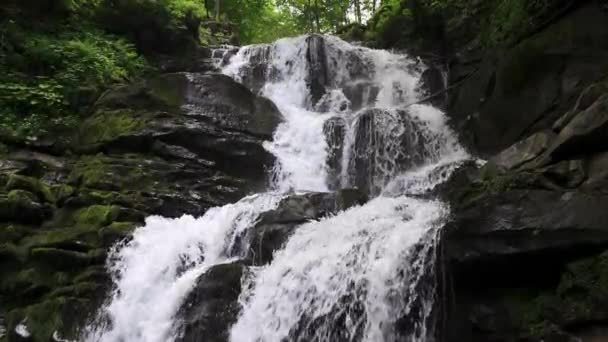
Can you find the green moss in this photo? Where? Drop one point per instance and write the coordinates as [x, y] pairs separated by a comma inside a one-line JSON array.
[[97, 215], [106, 126], [169, 89], [65, 259], [93, 274], [21, 196], [82, 289], [11, 232], [115, 232], [107, 174], [62, 192], [22, 206], [31, 184], [580, 296], [43, 319]]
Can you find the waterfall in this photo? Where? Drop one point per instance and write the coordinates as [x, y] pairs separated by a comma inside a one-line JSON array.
[[351, 119]]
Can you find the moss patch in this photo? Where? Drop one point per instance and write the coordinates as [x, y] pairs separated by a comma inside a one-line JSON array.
[[107, 174], [580, 297], [97, 215], [43, 319], [31, 184], [106, 126]]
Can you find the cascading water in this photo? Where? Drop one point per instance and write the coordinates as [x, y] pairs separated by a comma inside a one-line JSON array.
[[350, 120]]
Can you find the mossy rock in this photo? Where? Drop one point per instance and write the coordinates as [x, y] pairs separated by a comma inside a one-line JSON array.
[[31, 282], [21, 206], [81, 289], [12, 232], [107, 126], [166, 92], [42, 190], [9, 253], [97, 215], [104, 173], [62, 315], [580, 298], [62, 192], [80, 238], [116, 231], [65, 259], [95, 274]]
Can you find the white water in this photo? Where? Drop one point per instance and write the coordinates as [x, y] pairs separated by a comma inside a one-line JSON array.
[[344, 278], [159, 266]]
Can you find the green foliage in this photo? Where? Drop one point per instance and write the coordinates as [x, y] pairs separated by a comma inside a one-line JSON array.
[[90, 57], [41, 85]]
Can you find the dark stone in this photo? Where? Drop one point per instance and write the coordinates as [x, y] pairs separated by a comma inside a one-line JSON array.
[[496, 99], [586, 132], [316, 57], [334, 130], [432, 84], [375, 135], [212, 306], [276, 226]]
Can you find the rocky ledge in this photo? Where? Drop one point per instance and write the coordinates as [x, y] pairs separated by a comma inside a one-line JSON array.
[[525, 257]]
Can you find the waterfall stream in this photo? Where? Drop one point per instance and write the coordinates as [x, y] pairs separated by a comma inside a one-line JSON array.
[[356, 276]]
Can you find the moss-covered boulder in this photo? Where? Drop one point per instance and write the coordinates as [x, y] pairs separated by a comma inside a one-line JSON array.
[[32, 185], [22, 206]]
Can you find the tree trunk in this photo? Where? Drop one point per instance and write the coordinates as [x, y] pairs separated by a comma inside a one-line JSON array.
[[317, 20], [207, 9], [358, 11], [217, 10]]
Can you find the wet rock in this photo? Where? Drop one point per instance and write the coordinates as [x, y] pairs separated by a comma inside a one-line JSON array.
[[524, 151], [212, 306], [432, 84], [361, 94], [318, 77], [518, 222], [276, 226], [334, 130], [388, 142], [210, 121], [597, 169], [587, 132]]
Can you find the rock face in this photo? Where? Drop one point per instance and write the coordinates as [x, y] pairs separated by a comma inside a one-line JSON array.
[[173, 144], [212, 306], [525, 255], [504, 96], [533, 222]]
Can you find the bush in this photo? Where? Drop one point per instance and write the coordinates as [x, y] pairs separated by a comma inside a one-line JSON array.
[[43, 79]]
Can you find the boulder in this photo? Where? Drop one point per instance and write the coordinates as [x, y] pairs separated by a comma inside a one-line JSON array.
[[524, 151], [391, 137], [432, 85], [208, 122], [317, 78], [585, 133], [211, 307], [276, 226], [334, 130], [521, 222]]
